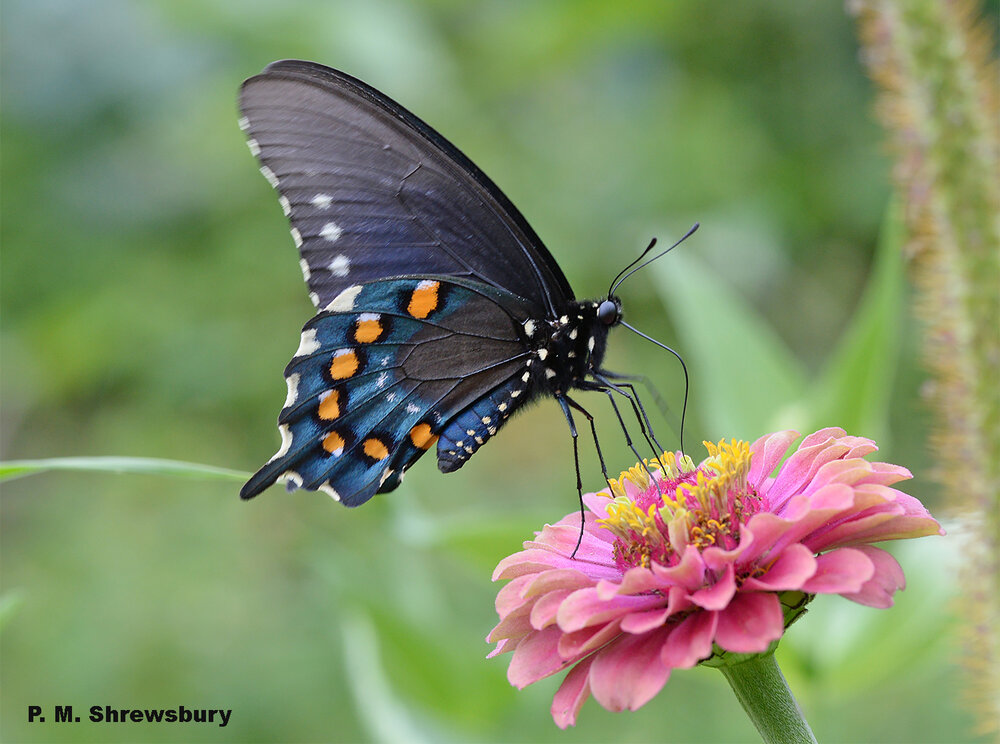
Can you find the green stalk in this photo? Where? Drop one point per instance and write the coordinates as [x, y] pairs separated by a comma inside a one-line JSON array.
[[938, 102], [762, 691]]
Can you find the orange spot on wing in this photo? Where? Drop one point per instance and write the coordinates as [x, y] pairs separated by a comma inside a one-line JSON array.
[[375, 449], [333, 443], [368, 330], [344, 365], [424, 299], [329, 407], [421, 436]]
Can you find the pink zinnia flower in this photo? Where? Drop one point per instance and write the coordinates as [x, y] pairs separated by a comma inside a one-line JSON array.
[[680, 560]]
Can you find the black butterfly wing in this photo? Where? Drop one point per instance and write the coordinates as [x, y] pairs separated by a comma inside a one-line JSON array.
[[371, 191], [390, 368]]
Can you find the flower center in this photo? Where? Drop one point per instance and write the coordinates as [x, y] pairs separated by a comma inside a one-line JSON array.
[[659, 508]]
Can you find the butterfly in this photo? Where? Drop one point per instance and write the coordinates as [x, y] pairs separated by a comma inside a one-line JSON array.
[[439, 310]]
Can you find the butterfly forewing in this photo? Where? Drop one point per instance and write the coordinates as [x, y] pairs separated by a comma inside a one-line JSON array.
[[371, 191]]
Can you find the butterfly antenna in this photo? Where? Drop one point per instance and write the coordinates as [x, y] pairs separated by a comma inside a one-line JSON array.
[[637, 260], [687, 382], [619, 279]]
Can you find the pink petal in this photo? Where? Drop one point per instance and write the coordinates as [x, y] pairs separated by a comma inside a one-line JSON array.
[[509, 598], [717, 596], [691, 640], [639, 580], [895, 516], [799, 469], [821, 436], [767, 453], [716, 558], [581, 642], [515, 626], [536, 657], [535, 560], [562, 539], [545, 609], [803, 515], [585, 607], [643, 622], [688, 573], [839, 571], [795, 564], [572, 694], [750, 622], [503, 646], [598, 504], [878, 591], [628, 673], [550, 581]]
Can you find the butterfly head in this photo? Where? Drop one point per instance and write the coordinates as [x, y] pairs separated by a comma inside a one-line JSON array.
[[609, 312]]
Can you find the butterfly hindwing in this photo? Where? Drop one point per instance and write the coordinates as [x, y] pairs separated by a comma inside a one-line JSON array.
[[371, 191], [389, 367]]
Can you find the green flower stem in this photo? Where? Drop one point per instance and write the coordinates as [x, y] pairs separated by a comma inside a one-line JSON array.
[[762, 691]]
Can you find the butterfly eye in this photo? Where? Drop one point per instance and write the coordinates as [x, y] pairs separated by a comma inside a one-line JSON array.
[[608, 312]]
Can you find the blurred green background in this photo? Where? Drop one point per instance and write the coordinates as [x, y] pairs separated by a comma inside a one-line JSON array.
[[152, 296]]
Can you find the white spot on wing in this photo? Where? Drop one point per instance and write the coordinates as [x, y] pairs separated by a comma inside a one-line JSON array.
[[340, 266], [331, 231], [244, 123], [382, 380], [286, 442], [308, 343], [328, 489], [314, 298], [254, 147], [344, 302], [286, 206], [390, 397], [290, 476], [410, 408], [590, 343], [297, 237], [322, 201], [304, 265], [293, 389], [269, 175], [542, 353]]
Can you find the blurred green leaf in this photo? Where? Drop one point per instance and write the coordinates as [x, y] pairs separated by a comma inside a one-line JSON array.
[[743, 375], [854, 391], [9, 603], [141, 465]]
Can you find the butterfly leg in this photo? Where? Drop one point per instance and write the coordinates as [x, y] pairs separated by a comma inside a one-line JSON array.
[[637, 408], [687, 379], [563, 402], [609, 391], [643, 380]]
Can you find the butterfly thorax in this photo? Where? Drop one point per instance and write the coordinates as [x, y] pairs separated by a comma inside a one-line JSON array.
[[566, 349]]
